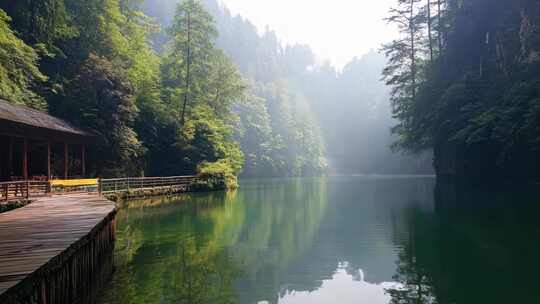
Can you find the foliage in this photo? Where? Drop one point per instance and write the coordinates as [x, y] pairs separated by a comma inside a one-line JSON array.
[[402, 72], [476, 102], [278, 131], [191, 54], [262, 148], [205, 138], [43, 22], [19, 72], [107, 106], [105, 76], [200, 84], [12, 205], [216, 176], [299, 112], [203, 87]]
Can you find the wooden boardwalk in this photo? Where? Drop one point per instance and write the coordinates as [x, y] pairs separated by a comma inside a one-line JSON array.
[[34, 237]]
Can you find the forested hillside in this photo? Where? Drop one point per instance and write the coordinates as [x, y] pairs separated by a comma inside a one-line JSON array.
[[92, 63], [278, 132], [174, 87], [465, 77], [301, 115]]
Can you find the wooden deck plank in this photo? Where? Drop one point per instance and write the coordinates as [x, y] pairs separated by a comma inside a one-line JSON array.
[[31, 236]]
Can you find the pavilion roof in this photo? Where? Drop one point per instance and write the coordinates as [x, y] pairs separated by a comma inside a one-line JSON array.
[[38, 119]]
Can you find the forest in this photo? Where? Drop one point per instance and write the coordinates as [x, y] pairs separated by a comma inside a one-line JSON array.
[[92, 63], [173, 87], [464, 78]]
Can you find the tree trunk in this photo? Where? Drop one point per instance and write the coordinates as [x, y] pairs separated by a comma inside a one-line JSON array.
[[439, 27], [33, 21], [413, 49], [429, 30], [188, 67]]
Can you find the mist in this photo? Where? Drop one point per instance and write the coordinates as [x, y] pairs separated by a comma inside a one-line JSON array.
[[306, 114]]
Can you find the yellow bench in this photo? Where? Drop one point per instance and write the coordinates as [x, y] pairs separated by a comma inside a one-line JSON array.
[[74, 182]]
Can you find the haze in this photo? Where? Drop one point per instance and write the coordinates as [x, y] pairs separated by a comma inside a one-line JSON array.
[[336, 30]]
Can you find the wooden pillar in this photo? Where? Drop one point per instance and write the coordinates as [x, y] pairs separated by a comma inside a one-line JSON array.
[[10, 157], [83, 160], [49, 173], [66, 160], [25, 159]]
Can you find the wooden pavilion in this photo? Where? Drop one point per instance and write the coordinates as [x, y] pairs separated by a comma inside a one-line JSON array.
[[38, 146]]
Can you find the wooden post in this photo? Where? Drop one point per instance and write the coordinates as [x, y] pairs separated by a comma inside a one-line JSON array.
[[99, 187], [49, 173], [83, 160], [6, 193], [66, 160], [10, 157], [25, 159]]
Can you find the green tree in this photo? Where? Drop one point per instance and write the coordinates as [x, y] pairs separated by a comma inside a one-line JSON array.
[[42, 22], [262, 148], [403, 71], [200, 85], [192, 47], [19, 72], [274, 74], [105, 103], [226, 85], [477, 102]]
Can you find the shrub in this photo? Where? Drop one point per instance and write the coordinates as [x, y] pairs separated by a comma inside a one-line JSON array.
[[8, 206], [218, 175]]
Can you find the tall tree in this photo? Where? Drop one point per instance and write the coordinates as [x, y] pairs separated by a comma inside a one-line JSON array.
[[193, 33], [429, 30], [440, 26], [402, 72], [278, 77], [201, 84], [478, 106]]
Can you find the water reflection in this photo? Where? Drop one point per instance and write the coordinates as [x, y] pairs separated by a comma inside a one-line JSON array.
[[160, 259], [195, 249], [481, 245], [345, 239]]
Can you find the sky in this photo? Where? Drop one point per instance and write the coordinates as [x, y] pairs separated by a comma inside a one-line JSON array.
[[336, 30]]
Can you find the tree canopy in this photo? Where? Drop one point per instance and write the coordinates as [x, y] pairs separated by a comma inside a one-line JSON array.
[[473, 95], [19, 71], [93, 63], [175, 87]]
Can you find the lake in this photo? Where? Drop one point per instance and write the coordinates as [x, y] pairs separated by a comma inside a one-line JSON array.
[[331, 240]]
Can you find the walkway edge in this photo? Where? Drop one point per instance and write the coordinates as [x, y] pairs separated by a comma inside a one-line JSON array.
[[73, 275]]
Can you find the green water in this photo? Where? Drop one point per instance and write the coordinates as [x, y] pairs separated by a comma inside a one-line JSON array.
[[332, 240]]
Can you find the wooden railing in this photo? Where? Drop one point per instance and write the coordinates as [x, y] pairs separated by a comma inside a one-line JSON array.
[[122, 185], [23, 189]]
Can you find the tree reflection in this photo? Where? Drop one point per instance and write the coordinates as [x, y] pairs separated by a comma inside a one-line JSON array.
[[280, 222], [413, 283], [474, 245], [479, 246], [194, 249], [200, 275], [159, 259]]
